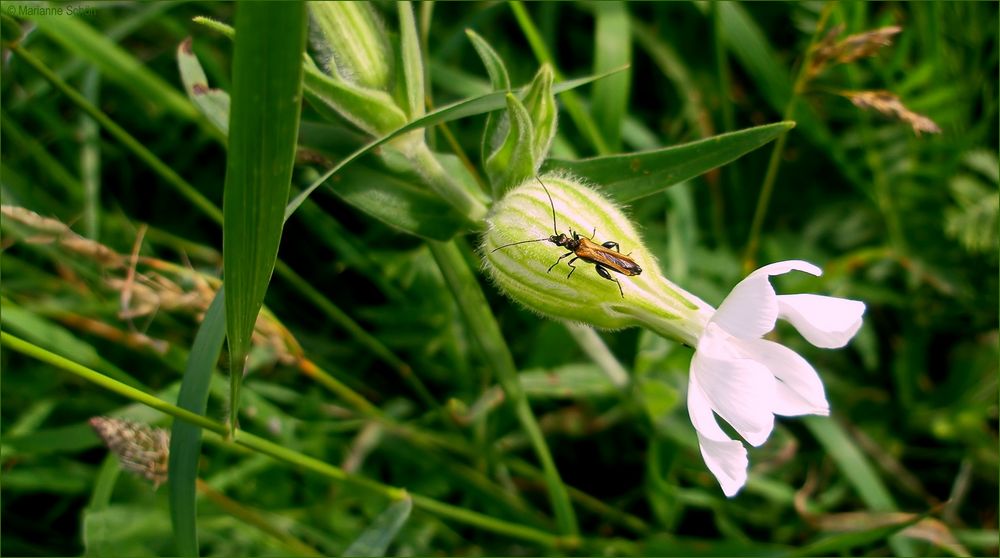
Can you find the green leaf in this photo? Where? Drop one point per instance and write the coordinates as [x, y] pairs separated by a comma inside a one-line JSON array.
[[500, 81], [115, 63], [570, 381], [631, 176], [495, 67], [213, 103], [375, 540], [400, 203], [263, 126], [185, 438], [612, 49]]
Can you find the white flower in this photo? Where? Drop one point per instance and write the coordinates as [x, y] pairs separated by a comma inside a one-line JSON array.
[[747, 380]]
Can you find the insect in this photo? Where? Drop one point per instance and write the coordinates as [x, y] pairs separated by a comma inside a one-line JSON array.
[[606, 257]]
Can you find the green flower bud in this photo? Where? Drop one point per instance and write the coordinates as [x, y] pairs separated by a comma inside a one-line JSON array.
[[357, 41], [522, 270]]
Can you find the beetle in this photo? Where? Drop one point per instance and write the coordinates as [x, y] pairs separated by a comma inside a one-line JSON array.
[[606, 257]]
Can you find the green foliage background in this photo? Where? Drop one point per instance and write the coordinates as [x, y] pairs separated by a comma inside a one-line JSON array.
[[906, 223]]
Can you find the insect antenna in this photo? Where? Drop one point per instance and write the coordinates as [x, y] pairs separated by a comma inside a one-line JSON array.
[[520, 242], [555, 229]]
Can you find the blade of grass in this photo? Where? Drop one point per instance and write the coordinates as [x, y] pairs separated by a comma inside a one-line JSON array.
[[90, 160], [263, 125], [185, 438], [115, 62], [119, 133], [256, 519], [612, 49], [574, 106], [116, 32], [375, 540], [486, 334], [767, 187], [219, 434], [47, 163], [859, 473]]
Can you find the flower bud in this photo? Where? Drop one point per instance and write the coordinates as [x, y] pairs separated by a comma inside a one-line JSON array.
[[522, 271], [357, 41], [520, 141]]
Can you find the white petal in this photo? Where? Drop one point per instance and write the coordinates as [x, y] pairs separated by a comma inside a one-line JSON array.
[[824, 321], [781, 268], [799, 390], [725, 458], [739, 389], [750, 309]]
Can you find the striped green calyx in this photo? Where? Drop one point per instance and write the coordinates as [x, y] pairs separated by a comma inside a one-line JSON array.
[[356, 41], [521, 271]]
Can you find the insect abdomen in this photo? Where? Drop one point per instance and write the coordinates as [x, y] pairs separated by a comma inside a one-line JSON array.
[[610, 259]]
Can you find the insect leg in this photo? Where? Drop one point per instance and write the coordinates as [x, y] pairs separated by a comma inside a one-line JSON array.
[[612, 244], [603, 272], [593, 234], [566, 255], [573, 267]]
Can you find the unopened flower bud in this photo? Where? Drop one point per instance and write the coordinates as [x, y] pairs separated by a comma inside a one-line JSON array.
[[357, 41], [534, 273]]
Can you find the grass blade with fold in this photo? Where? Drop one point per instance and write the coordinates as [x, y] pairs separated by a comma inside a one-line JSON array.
[[185, 438], [263, 126]]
